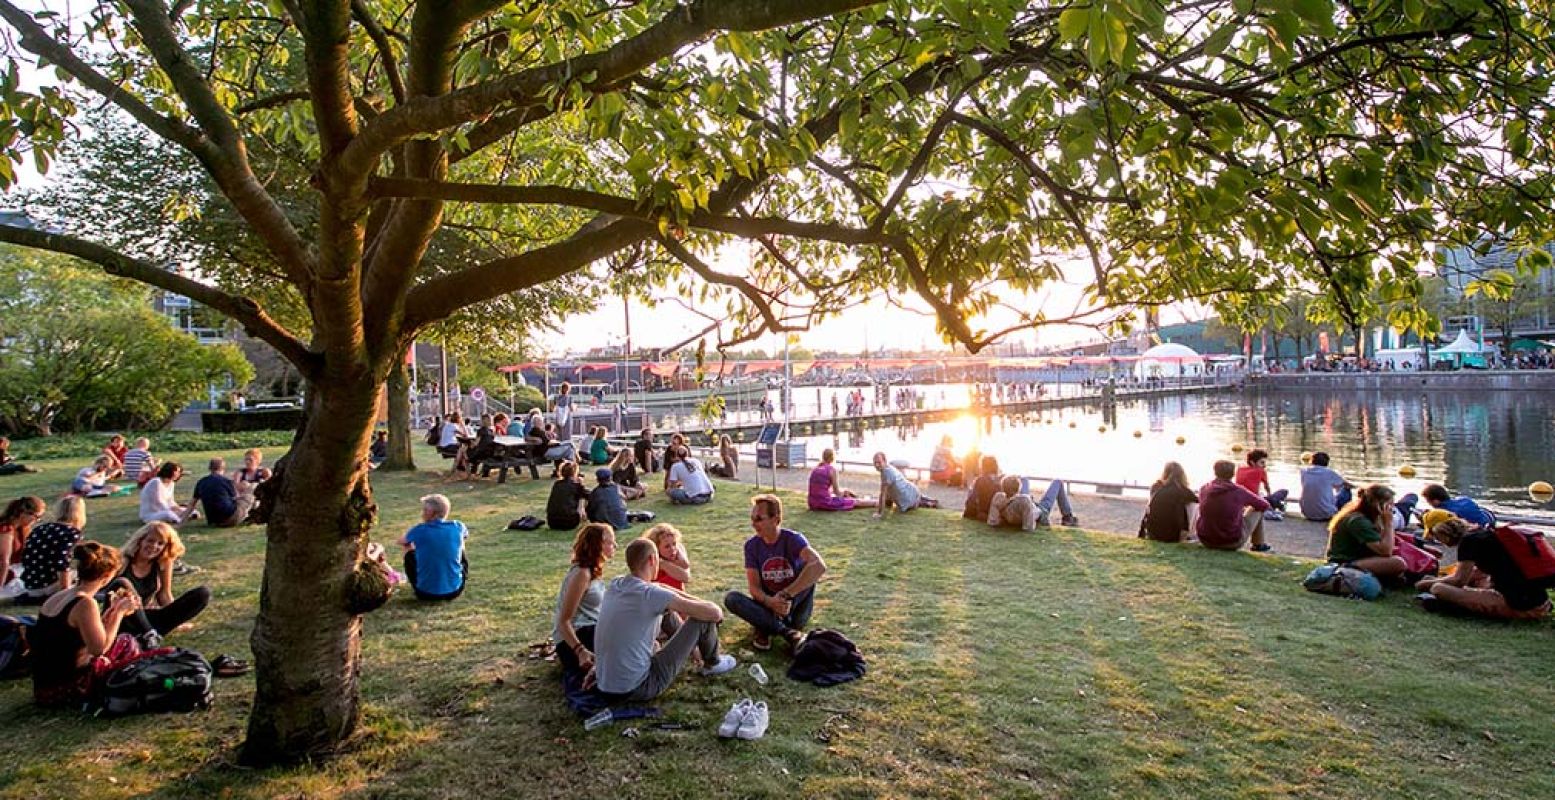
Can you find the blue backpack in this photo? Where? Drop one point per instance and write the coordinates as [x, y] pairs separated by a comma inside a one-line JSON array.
[[1343, 581]]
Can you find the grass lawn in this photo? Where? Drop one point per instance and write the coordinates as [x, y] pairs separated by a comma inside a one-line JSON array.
[[1060, 664]]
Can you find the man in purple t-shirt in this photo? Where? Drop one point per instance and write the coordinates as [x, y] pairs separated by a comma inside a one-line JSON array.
[[781, 569], [1224, 522]]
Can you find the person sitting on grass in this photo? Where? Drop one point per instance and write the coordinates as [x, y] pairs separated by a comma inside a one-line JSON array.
[[8, 464], [944, 467], [1173, 509], [599, 446], [605, 503], [116, 450], [674, 564], [157, 503], [148, 556], [646, 454], [225, 506], [1487, 582], [1323, 491], [139, 465], [564, 508], [583, 589], [729, 459], [982, 490], [46, 555], [93, 481], [689, 484], [1361, 534], [378, 451], [1254, 477], [1229, 515], [826, 492], [73, 631], [625, 664], [435, 562], [15, 525], [623, 471], [1012, 508], [781, 570]]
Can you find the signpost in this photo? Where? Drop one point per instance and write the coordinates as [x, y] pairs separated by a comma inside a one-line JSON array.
[[766, 456]]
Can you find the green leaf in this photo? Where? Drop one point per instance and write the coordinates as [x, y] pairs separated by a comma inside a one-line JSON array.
[[1216, 42], [1073, 23]]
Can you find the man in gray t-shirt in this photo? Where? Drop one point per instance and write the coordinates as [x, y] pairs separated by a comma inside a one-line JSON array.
[[629, 618], [1323, 490]]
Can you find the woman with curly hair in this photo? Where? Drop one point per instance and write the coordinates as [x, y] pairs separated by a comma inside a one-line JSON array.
[[148, 556], [583, 589]]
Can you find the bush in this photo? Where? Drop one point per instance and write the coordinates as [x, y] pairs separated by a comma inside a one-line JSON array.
[[269, 419], [86, 445]]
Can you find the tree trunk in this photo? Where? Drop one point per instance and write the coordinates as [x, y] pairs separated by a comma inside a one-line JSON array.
[[402, 434], [306, 640]]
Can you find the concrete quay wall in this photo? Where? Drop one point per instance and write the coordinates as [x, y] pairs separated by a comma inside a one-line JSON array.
[[1462, 380]]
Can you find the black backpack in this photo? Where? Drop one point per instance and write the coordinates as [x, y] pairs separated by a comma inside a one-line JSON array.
[[15, 658], [826, 658], [176, 681], [435, 433]]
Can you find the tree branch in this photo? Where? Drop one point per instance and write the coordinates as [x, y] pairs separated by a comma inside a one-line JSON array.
[[380, 38], [679, 27], [244, 310]]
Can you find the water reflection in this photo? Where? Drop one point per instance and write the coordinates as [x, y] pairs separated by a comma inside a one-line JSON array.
[[1490, 445]]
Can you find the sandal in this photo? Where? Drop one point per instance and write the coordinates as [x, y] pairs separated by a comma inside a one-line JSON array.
[[229, 667]]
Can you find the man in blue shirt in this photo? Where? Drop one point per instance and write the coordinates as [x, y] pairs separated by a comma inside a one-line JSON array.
[[605, 502], [224, 507], [434, 552], [1323, 491], [1461, 507]]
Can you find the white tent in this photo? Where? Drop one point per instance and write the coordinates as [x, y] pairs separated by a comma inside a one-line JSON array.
[[1169, 361], [1462, 346]]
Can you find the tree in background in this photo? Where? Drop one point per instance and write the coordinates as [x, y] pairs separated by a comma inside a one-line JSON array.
[[83, 351], [948, 152]]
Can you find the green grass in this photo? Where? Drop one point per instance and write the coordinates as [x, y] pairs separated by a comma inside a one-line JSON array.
[[1060, 664], [83, 447]]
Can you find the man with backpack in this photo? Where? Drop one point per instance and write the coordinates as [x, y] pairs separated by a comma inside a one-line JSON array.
[[1520, 566]]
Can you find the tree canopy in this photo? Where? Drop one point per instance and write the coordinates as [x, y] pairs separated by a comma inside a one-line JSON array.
[[947, 150]]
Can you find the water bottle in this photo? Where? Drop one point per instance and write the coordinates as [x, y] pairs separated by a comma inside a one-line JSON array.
[[602, 718], [759, 674]]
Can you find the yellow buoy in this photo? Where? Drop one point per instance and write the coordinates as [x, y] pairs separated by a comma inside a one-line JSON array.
[[1071, 424], [1182, 440], [1406, 471], [1101, 428], [1541, 491], [1138, 434], [1306, 458], [1236, 448]]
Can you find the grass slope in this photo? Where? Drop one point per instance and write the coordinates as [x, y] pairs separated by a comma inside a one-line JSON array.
[[1060, 664]]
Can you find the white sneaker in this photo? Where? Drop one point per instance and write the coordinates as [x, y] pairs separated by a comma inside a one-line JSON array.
[[732, 720], [754, 725], [724, 663], [1273, 516]]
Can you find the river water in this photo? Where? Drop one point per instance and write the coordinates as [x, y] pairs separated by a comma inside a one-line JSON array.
[[1489, 445]]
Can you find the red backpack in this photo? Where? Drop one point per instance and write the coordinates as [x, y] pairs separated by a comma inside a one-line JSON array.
[[1530, 552]]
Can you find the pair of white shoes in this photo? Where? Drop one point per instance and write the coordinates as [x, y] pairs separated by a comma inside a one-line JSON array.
[[745, 720]]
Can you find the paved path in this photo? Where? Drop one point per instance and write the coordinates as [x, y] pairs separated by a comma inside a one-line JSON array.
[[1294, 536]]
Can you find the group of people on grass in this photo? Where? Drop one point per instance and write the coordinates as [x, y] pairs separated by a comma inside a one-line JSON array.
[[1456, 555]]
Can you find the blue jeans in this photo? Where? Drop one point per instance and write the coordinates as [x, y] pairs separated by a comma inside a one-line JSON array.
[[762, 619], [1277, 499], [678, 496], [1343, 498], [1058, 493]]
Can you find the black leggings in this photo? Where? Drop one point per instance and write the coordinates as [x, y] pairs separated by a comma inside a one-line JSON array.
[[166, 619]]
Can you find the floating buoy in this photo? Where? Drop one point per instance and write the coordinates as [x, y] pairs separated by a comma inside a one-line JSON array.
[[1071, 424], [1306, 457], [1182, 440], [1101, 428], [1406, 471], [1541, 491], [1138, 434], [1236, 448]]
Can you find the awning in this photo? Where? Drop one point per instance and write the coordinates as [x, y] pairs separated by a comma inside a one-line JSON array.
[[663, 369], [520, 367]]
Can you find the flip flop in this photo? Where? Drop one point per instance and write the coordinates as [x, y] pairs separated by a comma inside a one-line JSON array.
[[229, 667]]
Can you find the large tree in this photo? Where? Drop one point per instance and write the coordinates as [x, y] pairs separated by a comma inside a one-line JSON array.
[[952, 151]]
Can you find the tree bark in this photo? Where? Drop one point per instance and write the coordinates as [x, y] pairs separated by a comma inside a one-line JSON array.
[[402, 435], [306, 640]]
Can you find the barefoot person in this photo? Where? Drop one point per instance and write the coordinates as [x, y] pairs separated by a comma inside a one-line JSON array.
[[625, 664], [781, 570], [827, 494], [1488, 581]]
